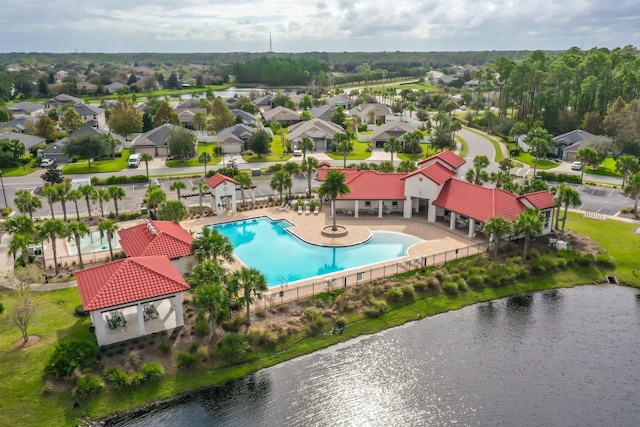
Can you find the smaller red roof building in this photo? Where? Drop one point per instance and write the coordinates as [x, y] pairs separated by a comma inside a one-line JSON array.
[[156, 238], [448, 157], [540, 199], [218, 179], [128, 280], [435, 172]]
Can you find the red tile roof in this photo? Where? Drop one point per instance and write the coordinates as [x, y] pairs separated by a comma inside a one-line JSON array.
[[128, 280], [435, 172], [324, 164], [348, 172], [478, 202], [449, 157], [218, 179], [540, 199], [374, 185], [156, 238]]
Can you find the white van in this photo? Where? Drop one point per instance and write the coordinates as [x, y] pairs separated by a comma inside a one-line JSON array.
[[134, 160]]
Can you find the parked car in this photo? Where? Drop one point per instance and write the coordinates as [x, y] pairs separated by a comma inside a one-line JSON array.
[[45, 163], [297, 152], [576, 166]]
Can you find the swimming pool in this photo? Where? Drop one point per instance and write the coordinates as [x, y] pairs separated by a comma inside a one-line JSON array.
[[264, 244]]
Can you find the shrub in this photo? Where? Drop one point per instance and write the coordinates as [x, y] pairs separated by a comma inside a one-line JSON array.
[[450, 287], [261, 337], [128, 216], [475, 281], [1, 308], [408, 292], [232, 347], [88, 384], [314, 319], [71, 355], [585, 260], [164, 348], [118, 378], [376, 309], [233, 325], [394, 294], [605, 261], [187, 361], [136, 378], [79, 311], [202, 326]]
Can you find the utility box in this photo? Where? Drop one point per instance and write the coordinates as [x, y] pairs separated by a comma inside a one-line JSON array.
[[256, 172], [79, 182]]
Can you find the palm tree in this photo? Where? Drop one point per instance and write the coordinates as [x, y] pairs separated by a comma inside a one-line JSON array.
[[280, 181], [393, 145], [407, 166], [16, 148], [214, 299], [250, 283], [62, 191], [343, 145], [19, 224], [568, 197], [27, 202], [102, 195], [201, 187], [177, 186], [305, 145], [146, 158], [334, 185], [90, 194], [154, 197], [110, 228], [212, 245], [77, 230], [205, 157], [626, 165], [21, 242], [245, 181], [478, 175], [588, 156], [52, 229], [73, 196], [539, 140], [291, 168], [497, 227], [530, 224], [309, 166], [633, 189], [117, 193], [50, 193]]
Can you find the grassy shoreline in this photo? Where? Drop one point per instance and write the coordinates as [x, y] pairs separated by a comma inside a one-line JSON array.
[[28, 398]]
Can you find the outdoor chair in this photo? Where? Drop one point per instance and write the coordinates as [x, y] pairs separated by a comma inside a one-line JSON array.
[[316, 211], [299, 210]]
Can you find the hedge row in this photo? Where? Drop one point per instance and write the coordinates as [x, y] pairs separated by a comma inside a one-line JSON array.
[[135, 179]]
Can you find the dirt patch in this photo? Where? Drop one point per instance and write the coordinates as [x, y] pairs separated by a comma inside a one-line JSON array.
[[31, 341]]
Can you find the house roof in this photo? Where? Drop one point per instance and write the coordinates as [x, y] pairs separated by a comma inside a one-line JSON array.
[[348, 172], [128, 280], [87, 110], [235, 134], [155, 137], [370, 184], [388, 130], [27, 107], [281, 114], [435, 172], [63, 98], [540, 199], [314, 129], [477, 202], [339, 100], [449, 157], [263, 100], [218, 179], [19, 123], [186, 115], [156, 238], [28, 140], [362, 110], [247, 117], [323, 112], [573, 138]]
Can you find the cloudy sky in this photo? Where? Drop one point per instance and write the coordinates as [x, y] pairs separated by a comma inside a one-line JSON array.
[[315, 25]]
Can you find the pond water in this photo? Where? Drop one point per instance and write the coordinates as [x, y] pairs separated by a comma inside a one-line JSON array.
[[554, 358]]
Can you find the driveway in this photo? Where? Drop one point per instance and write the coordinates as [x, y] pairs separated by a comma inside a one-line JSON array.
[[478, 146]]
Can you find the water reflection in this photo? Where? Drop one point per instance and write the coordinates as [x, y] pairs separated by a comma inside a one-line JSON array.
[[507, 362]]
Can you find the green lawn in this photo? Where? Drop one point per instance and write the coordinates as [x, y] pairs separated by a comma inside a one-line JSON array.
[[109, 165], [606, 168], [617, 238], [276, 151], [542, 164], [202, 148], [22, 170], [359, 152]]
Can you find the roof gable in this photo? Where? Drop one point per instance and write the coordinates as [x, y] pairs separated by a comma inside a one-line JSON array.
[[435, 172], [128, 280], [448, 157], [539, 199], [156, 238], [217, 179]]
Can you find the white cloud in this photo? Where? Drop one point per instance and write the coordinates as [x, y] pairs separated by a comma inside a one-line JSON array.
[[332, 25]]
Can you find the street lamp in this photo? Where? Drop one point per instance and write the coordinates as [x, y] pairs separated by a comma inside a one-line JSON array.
[[6, 205]]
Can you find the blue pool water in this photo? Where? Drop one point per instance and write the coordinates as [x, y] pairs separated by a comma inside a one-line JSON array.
[[265, 245]]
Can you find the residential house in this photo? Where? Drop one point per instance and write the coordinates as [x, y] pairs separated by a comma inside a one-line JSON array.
[[472, 84], [264, 103], [380, 111], [132, 297], [285, 116], [187, 115], [340, 101], [60, 75], [244, 117], [566, 146], [115, 87], [93, 116], [56, 150], [20, 124], [223, 193], [323, 112], [60, 101], [433, 192], [234, 139], [86, 87], [29, 141], [26, 109], [153, 142], [159, 238], [321, 132], [382, 134]]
